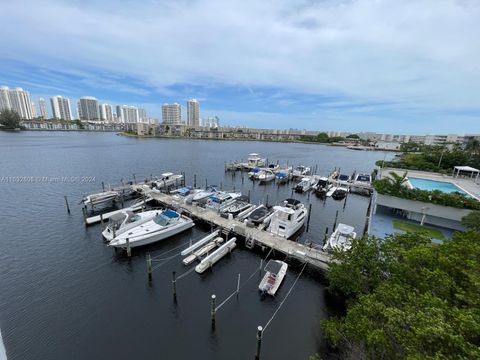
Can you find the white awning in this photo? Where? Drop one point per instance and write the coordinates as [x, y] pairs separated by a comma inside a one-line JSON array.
[[466, 168]]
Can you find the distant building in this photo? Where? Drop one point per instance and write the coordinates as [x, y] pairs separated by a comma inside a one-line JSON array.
[[34, 110], [127, 114], [211, 122], [43, 108], [88, 109], [142, 115], [193, 113], [171, 114], [106, 112], [17, 100], [61, 107]]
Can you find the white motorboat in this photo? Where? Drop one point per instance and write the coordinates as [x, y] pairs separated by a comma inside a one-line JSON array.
[[202, 196], [362, 184], [284, 175], [100, 198], [301, 171], [254, 161], [182, 195], [304, 185], [266, 175], [288, 218], [166, 180], [220, 199], [323, 186], [261, 215], [253, 173], [275, 272], [125, 220], [344, 179], [237, 206], [341, 238], [164, 225]]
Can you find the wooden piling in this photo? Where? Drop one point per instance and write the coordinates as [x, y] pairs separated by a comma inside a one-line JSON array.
[[212, 311], [84, 211], [174, 284], [335, 222], [103, 186], [134, 179], [259, 342], [261, 265], [248, 195], [129, 250], [238, 284], [206, 183], [309, 214], [326, 235], [66, 203], [101, 218], [194, 181], [149, 266], [266, 201]]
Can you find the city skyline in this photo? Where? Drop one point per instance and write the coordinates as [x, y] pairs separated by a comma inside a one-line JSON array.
[[308, 64]]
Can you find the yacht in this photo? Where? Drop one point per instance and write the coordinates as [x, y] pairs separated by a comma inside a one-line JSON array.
[[261, 215], [288, 218], [102, 198], [162, 226], [301, 171], [254, 160], [266, 175], [340, 193], [275, 272], [341, 238], [166, 180], [125, 220], [323, 186], [304, 185], [220, 199]]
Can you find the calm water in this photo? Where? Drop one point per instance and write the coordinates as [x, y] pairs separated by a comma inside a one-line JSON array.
[[65, 295]]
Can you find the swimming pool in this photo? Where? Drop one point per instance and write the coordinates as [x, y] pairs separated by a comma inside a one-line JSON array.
[[430, 185]]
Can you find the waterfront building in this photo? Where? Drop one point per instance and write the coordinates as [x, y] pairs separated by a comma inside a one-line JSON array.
[[17, 100], [61, 107], [211, 122], [127, 114], [193, 113], [43, 108], [142, 115], [34, 110], [106, 112], [171, 114], [87, 108]]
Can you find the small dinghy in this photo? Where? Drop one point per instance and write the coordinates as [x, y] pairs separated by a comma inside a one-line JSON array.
[[275, 272]]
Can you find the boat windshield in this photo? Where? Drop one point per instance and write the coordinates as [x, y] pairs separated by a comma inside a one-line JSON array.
[[322, 183], [161, 220], [343, 177], [365, 178]]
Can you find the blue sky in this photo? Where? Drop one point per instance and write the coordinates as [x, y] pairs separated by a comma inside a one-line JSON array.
[[407, 66]]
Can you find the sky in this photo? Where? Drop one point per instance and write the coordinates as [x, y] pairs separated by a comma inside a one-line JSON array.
[[391, 66]]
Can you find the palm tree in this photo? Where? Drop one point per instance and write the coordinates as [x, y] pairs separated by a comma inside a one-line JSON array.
[[396, 180]]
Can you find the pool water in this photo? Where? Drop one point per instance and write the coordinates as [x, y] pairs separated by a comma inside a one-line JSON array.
[[430, 185]]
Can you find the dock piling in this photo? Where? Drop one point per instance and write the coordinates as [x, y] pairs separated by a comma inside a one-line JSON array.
[[101, 218], [261, 265], [66, 203], [335, 222], [84, 211], [248, 195], [149, 266], [103, 186], [174, 285], [259, 342], [212, 311], [194, 181], [308, 218], [134, 179], [129, 250], [326, 235], [238, 284]]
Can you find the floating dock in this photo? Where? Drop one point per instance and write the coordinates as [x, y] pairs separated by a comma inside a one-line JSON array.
[[216, 256], [98, 218], [254, 236]]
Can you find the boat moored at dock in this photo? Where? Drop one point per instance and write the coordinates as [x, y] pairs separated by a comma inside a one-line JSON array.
[[323, 186], [275, 272], [166, 180], [301, 171], [288, 218], [100, 199], [266, 175], [123, 221], [341, 238], [305, 184]]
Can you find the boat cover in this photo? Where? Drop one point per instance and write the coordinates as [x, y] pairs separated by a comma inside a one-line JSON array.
[[170, 214], [273, 267]]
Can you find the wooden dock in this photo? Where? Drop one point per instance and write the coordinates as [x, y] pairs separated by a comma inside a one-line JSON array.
[[312, 256]]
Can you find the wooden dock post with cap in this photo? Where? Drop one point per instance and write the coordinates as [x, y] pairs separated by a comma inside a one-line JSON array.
[[308, 218], [238, 284], [212, 311], [149, 266], [174, 285], [259, 342]]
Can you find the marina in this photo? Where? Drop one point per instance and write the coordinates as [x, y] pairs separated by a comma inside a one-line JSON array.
[[79, 280]]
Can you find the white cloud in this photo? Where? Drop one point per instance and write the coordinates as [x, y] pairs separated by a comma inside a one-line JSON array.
[[424, 54]]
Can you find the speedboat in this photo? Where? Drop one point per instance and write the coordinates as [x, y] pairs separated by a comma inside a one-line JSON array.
[[362, 183], [301, 171], [220, 199], [253, 173], [304, 185], [100, 198], [340, 193], [341, 238], [283, 175], [260, 215], [162, 226], [288, 218], [344, 179], [202, 196], [322, 186], [166, 180], [125, 220], [237, 206], [275, 272], [266, 175]]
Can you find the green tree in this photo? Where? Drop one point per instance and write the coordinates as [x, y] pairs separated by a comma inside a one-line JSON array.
[[423, 302], [353, 136], [322, 137], [10, 119], [472, 221]]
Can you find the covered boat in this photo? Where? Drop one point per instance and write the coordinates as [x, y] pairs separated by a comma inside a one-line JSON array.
[[275, 272], [341, 238]]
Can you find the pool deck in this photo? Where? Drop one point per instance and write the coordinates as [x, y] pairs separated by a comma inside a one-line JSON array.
[[466, 184]]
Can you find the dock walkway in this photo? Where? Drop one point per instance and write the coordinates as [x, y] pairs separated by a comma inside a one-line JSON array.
[[314, 257]]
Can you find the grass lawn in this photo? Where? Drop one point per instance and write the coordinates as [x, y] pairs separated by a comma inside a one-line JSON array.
[[414, 228]]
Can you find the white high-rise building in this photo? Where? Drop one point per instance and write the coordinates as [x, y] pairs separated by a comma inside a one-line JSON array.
[[211, 122], [142, 115], [43, 108], [127, 114], [106, 112], [34, 110], [193, 113], [87, 109], [17, 100], [61, 107], [171, 114]]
